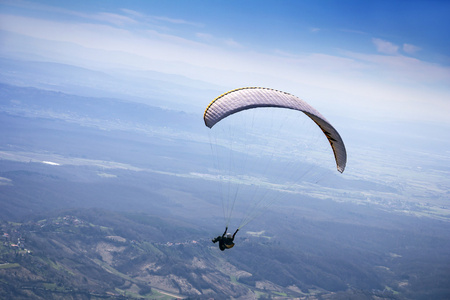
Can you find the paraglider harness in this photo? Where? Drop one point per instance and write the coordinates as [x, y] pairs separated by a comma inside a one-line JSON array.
[[226, 240]]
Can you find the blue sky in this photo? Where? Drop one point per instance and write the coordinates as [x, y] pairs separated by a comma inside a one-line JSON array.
[[370, 59]]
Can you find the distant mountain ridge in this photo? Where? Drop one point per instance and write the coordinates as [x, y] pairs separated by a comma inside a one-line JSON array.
[[149, 87], [33, 102]]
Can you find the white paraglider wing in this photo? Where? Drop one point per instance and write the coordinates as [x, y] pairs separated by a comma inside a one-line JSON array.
[[253, 97]]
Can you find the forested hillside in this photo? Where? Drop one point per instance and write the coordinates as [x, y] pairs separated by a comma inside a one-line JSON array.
[[85, 254]]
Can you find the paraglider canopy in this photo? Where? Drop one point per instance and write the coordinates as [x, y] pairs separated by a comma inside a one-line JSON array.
[[253, 97]]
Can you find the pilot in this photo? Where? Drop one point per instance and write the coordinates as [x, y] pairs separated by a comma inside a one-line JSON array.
[[226, 240]]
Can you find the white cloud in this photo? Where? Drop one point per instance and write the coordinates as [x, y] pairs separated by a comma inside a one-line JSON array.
[[176, 21], [232, 43], [410, 49], [404, 69], [113, 18], [385, 46], [212, 40], [204, 36], [132, 12], [128, 17], [388, 79]]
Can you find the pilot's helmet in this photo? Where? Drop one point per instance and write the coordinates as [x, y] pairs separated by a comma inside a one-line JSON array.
[[228, 236]]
